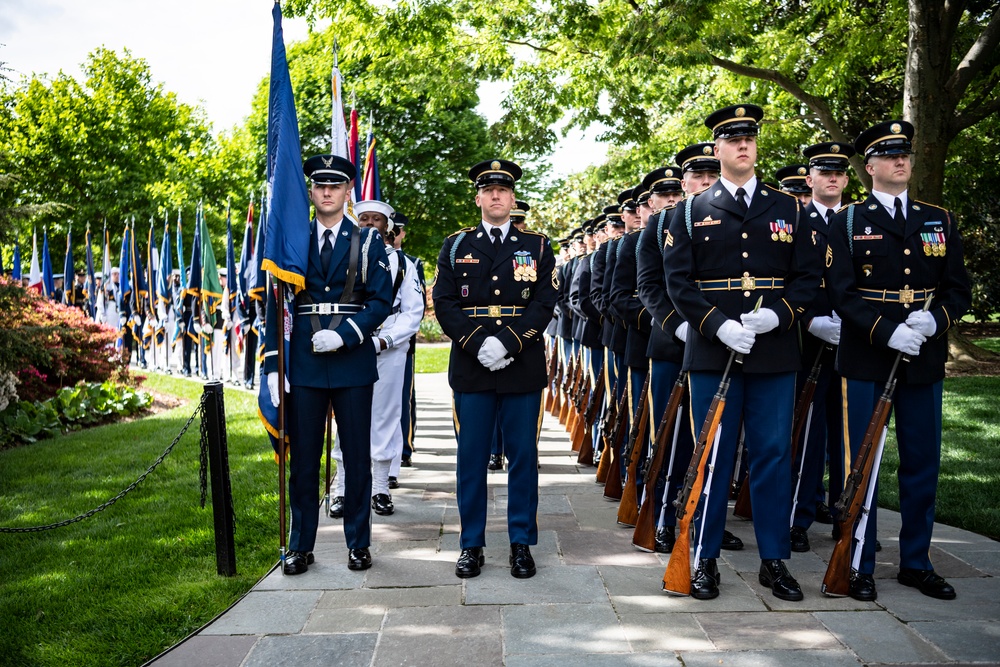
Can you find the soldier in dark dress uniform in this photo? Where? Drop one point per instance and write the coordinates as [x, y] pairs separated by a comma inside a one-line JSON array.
[[793, 181], [827, 178], [331, 361], [729, 246], [886, 257], [494, 293]]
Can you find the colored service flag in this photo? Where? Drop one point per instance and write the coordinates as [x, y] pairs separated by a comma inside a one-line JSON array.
[[242, 280], [286, 253], [229, 293], [16, 268], [48, 278], [338, 129], [355, 151], [149, 330], [372, 187], [124, 295], [180, 253], [69, 272], [211, 286], [90, 283], [34, 273], [164, 295], [102, 299], [140, 290]]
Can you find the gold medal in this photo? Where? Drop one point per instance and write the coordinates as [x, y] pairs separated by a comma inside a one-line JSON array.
[[774, 237], [783, 235], [927, 249], [789, 239]]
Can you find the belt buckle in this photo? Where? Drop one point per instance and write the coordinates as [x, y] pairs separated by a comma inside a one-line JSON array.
[[906, 296], [494, 311], [748, 283], [325, 308]]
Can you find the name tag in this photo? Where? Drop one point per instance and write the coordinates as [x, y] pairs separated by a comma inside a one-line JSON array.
[[706, 223], [869, 237], [466, 260]]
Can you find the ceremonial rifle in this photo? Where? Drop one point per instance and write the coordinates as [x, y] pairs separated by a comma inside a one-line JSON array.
[[742, 508], [644, 536], [586, 456], [552, 368], [677, 576], [580, 419], [573, 413], [803, 420], [628, 510], [864, 472], [608, 422], [613, 483], [567, 387]]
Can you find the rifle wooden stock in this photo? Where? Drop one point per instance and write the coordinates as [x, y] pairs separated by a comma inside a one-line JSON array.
[[607, 428], [574, 397], [743, 507], [644, 535], [586, 456], [804, 401], [566, 388], [677, 576], [580, 422], [613, 483], [628, 510], [837, 581]]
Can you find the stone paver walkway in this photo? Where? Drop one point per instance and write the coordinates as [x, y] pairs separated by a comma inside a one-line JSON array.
[[595, 600]]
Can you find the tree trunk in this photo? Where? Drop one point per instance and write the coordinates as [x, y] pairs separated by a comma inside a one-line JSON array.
[[965, 357]]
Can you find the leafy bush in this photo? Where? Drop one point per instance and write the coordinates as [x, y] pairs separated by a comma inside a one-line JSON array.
[[47, 345], [430, 331], [70, 409]]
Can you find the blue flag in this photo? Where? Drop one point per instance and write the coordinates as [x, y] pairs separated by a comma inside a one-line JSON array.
[[16, 269], [180, 253], [48, 279], [286, 252], [125, 271], [245, 269], [69, 272], [163, 293], [1, 263], [90, 286]]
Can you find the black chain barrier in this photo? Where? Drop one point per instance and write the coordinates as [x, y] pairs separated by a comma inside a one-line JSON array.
[[199, 410]]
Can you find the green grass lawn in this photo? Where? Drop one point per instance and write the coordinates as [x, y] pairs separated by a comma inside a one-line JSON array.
[[121, 586], [991, 344], [432, 359], [969, 483]]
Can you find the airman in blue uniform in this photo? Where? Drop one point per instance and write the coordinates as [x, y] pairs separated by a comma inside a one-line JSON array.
[[494, 294], [331, 361], [886, 257]]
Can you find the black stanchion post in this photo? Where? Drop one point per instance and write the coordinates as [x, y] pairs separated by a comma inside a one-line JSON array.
[[222, 494]]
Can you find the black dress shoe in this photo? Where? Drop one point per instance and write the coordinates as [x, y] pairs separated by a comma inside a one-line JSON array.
[[862, 587], [800, 539], [730, 542], [393, 483], [496, 462], [774, 575], [823, 514], [337, 507], [359, 559], [297, 562], [664, 540], [878, 546], [405, 462], [470, 563], [928, 581], [522, 565], [382, 504], [705, 582]]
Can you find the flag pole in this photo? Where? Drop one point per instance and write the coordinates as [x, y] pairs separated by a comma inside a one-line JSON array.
[[281, 420]]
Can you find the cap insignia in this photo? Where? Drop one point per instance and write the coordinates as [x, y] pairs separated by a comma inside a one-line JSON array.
[[494, 165], [669, 173], [707, 150], [740, 112], [327, 163], [802, 171], [835, 148], [896, 128]]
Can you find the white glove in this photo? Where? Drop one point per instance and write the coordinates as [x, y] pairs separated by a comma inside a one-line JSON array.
[[760, 322], [922, 322], [491, 352], [272, 387], [906, 340], [503, 363], [682, 331], [197, 328], [734, 336], [826, 329], [327, 341]]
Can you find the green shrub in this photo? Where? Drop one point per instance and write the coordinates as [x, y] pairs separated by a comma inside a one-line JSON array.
[[430, 331]]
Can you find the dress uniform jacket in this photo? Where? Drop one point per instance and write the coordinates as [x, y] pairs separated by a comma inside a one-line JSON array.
[[580, 296], [562, 299], [818, 228], [663, 345], [473, 279], [925, 257], [625, 304], [728, 261], [354, 364], [598, 274], [619, 336]]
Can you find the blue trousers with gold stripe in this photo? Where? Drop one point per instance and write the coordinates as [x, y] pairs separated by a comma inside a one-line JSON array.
[[661, 383], [824, 431], [766, 401], [518, 416], [917, 413]]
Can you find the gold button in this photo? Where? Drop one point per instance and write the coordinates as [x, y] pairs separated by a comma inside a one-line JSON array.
[[906, 305], [746, 274], [906, 252], [706, 238], [495, 278], [497, 292], [868, 252], [746, 293], [906, 271], [326, 289], [906, 287], [499, 322], [746, 254], [745, 235]]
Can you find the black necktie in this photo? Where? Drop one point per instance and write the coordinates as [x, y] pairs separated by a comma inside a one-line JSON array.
[[900, 220], [326, 252], [829, 214], [497, 237], [741, 200]]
